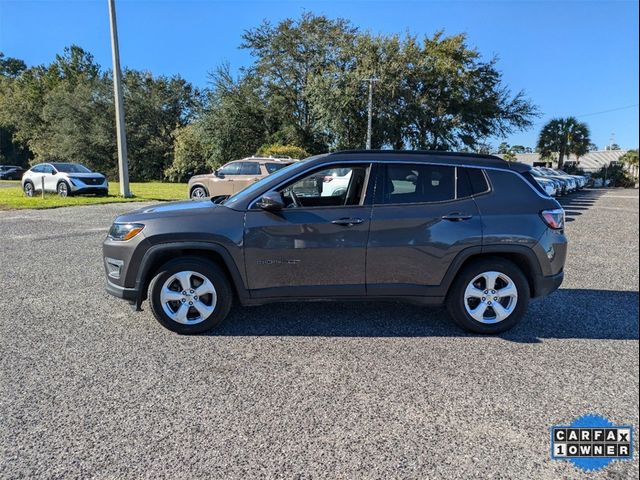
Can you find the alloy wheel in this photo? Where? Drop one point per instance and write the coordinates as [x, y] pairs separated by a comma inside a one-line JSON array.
[[63, 190], [198, 192], [490, 297], [188, 297]]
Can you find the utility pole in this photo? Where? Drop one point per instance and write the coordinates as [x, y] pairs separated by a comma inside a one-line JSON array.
[[370, 114], [123, 163]]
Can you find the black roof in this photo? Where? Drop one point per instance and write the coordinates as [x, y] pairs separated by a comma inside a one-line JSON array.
[[434, 156]]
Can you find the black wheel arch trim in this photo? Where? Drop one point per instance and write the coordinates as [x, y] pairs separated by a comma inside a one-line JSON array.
[[534, 275], [152, 253]]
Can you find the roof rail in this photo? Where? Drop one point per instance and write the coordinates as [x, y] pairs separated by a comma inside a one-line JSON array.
[[424, 152]]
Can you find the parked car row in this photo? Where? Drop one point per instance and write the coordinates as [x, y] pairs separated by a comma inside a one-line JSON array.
[[11, 172], [64, 179], [557, 182]]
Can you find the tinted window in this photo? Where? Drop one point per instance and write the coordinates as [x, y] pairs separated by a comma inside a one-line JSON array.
[[249, 168], [230, 169], [327, 188], [274, 167], [71, 168], [416, 183], [38, 169], [477, 179]]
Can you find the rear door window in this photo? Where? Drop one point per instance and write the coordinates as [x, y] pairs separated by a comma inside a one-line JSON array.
[[417, 183], [249, 168]]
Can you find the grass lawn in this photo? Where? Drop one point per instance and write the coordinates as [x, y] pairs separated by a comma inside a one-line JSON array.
[[13, 198]]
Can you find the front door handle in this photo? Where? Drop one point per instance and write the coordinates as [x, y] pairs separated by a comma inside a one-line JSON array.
[[348, 222], [457, 217]]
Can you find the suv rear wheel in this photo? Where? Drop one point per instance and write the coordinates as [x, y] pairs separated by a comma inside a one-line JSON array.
[[488, 296], [190, 295], [28, 189]]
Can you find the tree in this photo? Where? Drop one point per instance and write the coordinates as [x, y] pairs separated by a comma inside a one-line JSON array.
[[613, 146], [154, 108], [279, 150], [289, 57], [433, 93], [236, 121], [190, 155], [11, 67], [564, 136], [630, 158], [504, 147], [64, 111]]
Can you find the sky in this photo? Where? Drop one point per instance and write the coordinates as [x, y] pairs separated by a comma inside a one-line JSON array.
[[570, 57]]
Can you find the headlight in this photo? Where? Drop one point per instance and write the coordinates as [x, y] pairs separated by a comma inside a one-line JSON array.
[[124, 231]]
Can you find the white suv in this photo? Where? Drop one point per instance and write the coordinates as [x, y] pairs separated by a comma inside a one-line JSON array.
[[63, 179]]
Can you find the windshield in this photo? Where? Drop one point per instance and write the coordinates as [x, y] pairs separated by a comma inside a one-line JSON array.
[[70, 168], [251, 189]]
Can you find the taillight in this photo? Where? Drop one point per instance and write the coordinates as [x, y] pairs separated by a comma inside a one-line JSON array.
[[553, 218]]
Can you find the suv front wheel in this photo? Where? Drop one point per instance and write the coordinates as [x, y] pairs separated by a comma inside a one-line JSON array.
[[488, 296], [190, 295]]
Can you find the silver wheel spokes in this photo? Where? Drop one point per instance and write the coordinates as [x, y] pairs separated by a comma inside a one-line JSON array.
[[188, 297], [490, 297], [199, 193]]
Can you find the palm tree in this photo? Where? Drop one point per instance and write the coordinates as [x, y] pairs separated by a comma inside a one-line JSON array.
[[564, 136]]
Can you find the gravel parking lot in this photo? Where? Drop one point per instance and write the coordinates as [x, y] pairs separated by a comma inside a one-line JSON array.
[[88, 389]]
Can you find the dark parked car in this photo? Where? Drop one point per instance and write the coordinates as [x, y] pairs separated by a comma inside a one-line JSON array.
[[474, 232], [11, 172]]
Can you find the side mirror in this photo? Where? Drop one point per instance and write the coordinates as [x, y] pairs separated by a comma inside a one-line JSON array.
[[217, 173], [271, 201]]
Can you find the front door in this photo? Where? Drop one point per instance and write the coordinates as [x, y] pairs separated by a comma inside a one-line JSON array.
[[316, 246], [423, 216]]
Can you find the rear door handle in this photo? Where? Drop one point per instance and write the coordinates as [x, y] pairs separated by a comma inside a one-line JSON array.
[[348, 222], [457, 217]]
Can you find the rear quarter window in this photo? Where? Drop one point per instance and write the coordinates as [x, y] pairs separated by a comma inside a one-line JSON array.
[[274, 167]]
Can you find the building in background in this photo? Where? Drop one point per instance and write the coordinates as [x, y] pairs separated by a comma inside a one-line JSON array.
[[589, 162]]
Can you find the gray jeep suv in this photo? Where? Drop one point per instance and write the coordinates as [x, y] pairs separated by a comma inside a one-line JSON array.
[[471, 231]]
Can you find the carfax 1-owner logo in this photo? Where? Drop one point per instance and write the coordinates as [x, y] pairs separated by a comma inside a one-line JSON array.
[[591, 442]]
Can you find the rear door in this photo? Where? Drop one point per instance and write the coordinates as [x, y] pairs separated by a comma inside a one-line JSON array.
[[315, 247], [50, 178], [248, 173], [423, 216]]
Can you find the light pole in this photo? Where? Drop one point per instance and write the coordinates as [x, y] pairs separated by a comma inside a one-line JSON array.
[[123, 163], [370, 113]]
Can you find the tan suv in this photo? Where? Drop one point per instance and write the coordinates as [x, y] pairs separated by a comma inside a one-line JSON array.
[[234, 176]]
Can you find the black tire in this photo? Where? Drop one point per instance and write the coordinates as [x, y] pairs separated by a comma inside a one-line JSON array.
[[28, 189], [202, 267], [63, 189], [456, 297]]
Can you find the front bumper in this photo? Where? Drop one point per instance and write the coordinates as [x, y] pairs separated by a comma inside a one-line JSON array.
[[83, 190], [129, 294]]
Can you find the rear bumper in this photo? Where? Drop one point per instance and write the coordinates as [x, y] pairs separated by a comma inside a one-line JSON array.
[[547, 285]]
